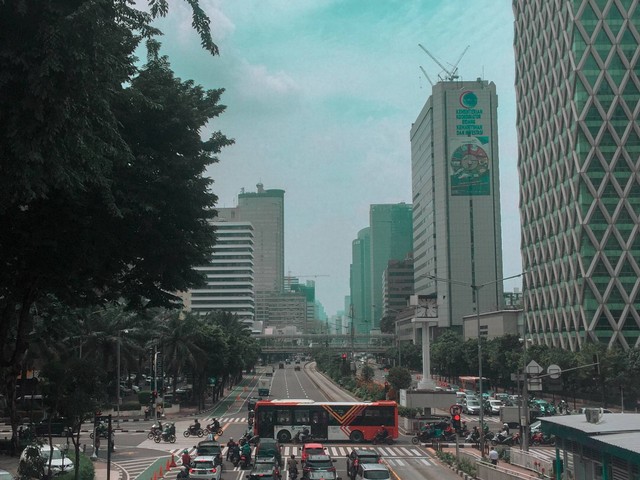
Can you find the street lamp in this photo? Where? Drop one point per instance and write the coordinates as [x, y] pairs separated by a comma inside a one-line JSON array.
[[476, 290]]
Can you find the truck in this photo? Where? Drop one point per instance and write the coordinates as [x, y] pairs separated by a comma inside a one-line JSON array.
[[511, 416], [264, 385]]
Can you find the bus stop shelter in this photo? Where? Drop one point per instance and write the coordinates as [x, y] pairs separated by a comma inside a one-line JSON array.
[[596, 446]]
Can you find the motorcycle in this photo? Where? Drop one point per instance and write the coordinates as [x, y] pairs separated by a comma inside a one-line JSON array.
[[301, 437], [167, 435], [464, 431], [506, 440], [448, 436], [250, 422], [293, 473], [192, 430], [102, 430], [248, 437], [244, 461], [213, 430], [381, 438], [156, 429], [235, 459], [539, 438], [422, 437]]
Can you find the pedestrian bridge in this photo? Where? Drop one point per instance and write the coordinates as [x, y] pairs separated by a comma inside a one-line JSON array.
[[305, 343]]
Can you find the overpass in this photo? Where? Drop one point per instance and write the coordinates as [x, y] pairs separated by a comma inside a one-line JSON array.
[[305, 343]]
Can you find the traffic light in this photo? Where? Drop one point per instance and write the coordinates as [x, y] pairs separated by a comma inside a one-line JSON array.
[[154, 394], [456, 422], [344, 358]]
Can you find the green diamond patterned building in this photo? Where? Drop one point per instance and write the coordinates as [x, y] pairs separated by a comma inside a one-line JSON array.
[[578, 96]]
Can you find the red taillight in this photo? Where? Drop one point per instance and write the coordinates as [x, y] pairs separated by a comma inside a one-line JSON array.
[[213, 470], [192, 470]]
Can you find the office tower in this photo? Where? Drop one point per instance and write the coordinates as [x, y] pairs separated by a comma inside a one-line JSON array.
[[265, 210], [397, 286], [229, 275], [360, 282], [391, 227], [578, 87], [456, 199]]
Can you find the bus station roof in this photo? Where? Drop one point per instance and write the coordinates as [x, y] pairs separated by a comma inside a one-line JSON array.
[[617, 434]]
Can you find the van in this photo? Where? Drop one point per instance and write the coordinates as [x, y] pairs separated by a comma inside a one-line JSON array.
[[268, 447], [460, 395]]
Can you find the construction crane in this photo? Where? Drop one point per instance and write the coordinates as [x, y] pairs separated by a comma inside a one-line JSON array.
[[425, 74], [451, 74]]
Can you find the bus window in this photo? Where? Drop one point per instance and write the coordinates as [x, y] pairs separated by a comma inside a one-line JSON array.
[[301, 417], [283, 417]]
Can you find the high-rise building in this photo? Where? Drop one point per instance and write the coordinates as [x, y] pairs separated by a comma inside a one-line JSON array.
[[360, 282], [456, 200], [391, 227], [229, 275], [578, 93], [265, 210], [397, 286]]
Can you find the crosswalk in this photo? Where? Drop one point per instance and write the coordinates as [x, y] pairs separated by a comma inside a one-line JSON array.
[[387, 452]]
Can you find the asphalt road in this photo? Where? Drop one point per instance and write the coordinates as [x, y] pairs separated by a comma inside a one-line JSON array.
[[135, 452]]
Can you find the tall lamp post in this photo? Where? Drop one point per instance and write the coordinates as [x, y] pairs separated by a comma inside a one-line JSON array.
[[476, 290]]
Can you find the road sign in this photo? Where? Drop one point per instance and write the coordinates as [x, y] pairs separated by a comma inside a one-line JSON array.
[[517, 377], [535, 385], [455, 410], [534, 368], [554, 371]]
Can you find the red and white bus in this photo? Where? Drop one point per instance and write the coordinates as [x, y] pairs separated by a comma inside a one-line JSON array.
[[354, 421]]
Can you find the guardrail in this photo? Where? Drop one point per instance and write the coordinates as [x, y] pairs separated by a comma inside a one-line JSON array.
[[530, 462], [487, 471]]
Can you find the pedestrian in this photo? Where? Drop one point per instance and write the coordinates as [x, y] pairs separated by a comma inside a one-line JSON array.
[[96, 444], [493, 456]]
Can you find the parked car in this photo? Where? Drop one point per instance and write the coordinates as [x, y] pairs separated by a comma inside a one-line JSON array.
[[297, 368], [205, 468], [60, 463]]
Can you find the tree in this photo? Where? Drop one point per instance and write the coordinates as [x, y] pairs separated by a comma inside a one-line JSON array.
[[399, 378], [93, 210], [367, 373]]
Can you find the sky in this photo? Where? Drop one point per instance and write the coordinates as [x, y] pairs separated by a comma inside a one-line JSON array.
[[321, 96]]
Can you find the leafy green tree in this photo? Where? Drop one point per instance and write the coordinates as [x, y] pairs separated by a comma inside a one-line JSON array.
[[92, 209], [399, 378], [447, 355]]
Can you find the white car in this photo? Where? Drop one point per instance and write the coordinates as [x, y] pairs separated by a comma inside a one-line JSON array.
[[374, 471], [60, 463], [495, 406], [205, 468]]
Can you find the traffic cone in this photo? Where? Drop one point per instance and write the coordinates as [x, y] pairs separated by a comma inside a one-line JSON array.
[[160, 474], [155, 475], [173, 461]]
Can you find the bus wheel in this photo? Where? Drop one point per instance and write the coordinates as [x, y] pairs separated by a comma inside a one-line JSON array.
[[284, 436], [356, 436]]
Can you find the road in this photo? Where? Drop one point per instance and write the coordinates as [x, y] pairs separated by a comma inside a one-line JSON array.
[[135, 453]]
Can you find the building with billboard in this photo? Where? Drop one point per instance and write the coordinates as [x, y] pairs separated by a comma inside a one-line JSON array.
[[578, 92], [457, 240]]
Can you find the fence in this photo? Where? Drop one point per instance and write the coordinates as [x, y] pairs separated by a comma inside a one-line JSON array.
[[486, 471], [530, 462]]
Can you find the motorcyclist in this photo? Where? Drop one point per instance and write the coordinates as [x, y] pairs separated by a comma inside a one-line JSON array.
[[235, 454], [305, 436], [504, 434], [246, 451], [195, 427], [230, 445], [182, 474], [214, 426], [382, 433], [292, 466], [186, 458]]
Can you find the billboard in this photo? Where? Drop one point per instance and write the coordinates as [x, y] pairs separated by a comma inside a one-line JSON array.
[[470, 146]]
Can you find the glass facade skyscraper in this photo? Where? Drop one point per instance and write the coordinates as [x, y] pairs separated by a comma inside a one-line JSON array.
[[578, 92]]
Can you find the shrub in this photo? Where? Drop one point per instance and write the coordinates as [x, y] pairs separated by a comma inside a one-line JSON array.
[[86, 468], [408, 412]]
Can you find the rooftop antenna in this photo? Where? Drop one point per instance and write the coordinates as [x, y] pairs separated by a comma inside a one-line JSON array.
[[452, 74]]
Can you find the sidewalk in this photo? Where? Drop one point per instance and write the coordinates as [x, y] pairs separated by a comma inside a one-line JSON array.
[[515, 469]]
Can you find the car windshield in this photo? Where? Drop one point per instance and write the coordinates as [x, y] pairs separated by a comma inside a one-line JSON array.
[[368, 459], [319, 463], [473, 403], [57, 454], [376, 475]]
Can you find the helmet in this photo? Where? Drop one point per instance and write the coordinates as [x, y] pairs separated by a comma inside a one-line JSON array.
[[293, 456], [185, 451], [195, 419], [505, 425], [230, 438]]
